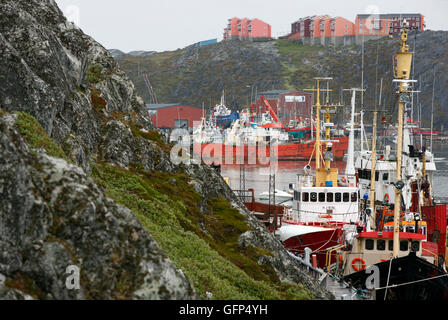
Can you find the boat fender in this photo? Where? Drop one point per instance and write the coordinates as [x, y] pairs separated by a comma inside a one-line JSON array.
[[341, 261], [355, 267]]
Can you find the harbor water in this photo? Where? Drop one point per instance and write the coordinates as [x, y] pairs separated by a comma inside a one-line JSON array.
[[257, 177]]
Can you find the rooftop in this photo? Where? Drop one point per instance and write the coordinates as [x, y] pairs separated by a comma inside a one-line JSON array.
[[387, 15], [163, 106]]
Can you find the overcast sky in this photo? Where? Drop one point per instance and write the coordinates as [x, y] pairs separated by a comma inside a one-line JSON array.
[[171, 24]]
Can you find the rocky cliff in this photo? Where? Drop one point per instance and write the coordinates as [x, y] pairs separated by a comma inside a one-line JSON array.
[[85, 180]]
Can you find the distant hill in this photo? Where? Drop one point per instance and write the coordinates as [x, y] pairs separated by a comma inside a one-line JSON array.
[[119, 54], [197, 75]]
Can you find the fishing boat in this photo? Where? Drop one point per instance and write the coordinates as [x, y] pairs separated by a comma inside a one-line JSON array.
[[326, 205], [399, 251], [248, 140]]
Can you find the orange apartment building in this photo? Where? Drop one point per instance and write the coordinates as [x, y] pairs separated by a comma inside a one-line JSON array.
[[247, 29], [324, 30]]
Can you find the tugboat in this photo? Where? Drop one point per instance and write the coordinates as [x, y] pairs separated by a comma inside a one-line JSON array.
[[326, 205], [399, 251]]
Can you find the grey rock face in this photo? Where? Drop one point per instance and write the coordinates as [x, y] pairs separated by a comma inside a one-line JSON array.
[[53, 216], [45, 66]]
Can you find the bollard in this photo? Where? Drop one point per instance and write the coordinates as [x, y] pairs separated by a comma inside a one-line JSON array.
[[314, 257]]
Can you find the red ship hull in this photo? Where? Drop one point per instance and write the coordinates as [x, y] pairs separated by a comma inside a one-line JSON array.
[[286, 151], [318, 242]]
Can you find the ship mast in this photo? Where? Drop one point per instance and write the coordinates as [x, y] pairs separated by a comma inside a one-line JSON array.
[[324, 176], [373, 161], [402, 62], [318, 107]]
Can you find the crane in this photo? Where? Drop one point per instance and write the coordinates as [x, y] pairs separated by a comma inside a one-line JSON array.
[[272, 113], [152, 94]]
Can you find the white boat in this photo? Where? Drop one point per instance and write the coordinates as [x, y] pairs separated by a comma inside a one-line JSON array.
[[279, 196]]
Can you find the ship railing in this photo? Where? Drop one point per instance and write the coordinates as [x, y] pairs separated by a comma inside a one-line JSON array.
[[436, 257], [316, 273], [246, 196], [329, 253]]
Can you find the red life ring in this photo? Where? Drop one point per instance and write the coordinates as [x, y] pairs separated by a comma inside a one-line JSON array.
[[355, 267]]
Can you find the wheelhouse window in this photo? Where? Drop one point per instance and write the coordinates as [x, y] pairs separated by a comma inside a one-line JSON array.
[[369, 244], [305, 197], [338, 197], [385, 176], [391, 245], [404, 245], [330, 197], [321, 196], [313, 196], [354, 197], [381, 245], [346, 197]]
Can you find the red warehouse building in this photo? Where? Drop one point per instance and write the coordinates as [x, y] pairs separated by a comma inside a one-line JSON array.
[[246, 29], [171, 116], [288, 105]]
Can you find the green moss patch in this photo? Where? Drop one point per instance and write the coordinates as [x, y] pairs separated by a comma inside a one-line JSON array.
[[204, 246], [25, 284], [36, 137], [95, 73]]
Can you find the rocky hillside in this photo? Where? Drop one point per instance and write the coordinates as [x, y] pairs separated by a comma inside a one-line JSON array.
[[197, 75], [86, 181]]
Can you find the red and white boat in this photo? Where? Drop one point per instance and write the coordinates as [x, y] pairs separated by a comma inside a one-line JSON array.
[[326, 205]]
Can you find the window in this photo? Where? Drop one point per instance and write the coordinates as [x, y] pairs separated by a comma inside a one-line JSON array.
[[381, 245], [391, 245], [313, 197], [385, 176], [369, 244], [305, 197], [415, 246], [404, 245], [330, 197], [354, 197], [321, 196], [346, 197], [296, 195], [377, 176], [338, 197]]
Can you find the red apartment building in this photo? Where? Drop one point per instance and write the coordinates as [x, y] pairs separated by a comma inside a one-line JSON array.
[[323, 29], [246, 29], [321, 26], [384, 24]]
